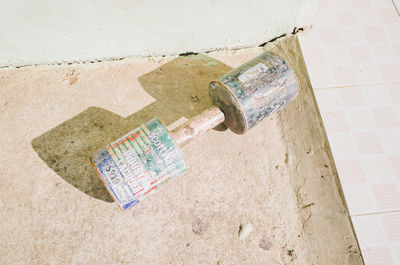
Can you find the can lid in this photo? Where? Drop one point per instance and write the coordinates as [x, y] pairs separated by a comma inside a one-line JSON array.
[[222, 97]]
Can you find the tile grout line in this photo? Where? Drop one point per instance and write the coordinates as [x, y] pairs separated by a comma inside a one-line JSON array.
[[356, 85], [377, 213]]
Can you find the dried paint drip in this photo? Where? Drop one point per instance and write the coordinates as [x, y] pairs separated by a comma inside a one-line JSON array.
[[198, 226], [265, 244]]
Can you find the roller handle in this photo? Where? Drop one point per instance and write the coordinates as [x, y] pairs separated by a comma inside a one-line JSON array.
[[193, 128]]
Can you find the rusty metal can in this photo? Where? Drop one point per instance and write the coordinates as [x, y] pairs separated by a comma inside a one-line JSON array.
[[254, 91], [139, 163]]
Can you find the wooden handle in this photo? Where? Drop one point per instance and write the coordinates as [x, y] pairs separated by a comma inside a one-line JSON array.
[[193, 128]]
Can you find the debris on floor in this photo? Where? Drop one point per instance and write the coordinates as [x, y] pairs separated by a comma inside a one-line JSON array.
[[245, 230]]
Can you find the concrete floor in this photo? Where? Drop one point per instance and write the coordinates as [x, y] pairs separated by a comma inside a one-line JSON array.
[[280, 176]]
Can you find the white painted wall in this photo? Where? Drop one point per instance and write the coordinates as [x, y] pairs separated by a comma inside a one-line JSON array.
[[48, 31]]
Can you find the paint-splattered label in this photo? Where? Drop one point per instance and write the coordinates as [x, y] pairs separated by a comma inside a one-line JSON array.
[[262, 86], [139, 163], [254, 73]]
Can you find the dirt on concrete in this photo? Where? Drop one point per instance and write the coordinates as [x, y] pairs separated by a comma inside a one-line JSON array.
[[280, 176]]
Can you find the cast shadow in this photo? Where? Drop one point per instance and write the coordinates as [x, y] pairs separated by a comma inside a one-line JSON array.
[[180, 88]]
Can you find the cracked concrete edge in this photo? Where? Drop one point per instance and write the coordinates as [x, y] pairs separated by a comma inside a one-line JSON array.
[[329, 235], [147, 58], [396, 4]]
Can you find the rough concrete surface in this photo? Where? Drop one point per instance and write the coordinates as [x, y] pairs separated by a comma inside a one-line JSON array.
[[279, 177]]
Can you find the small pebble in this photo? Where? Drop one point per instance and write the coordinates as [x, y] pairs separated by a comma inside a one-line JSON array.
[[245, 230]]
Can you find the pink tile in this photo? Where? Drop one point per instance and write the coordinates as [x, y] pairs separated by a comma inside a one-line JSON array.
[[320, 76], [367, 73], [376, 95], [388, 15], [368, 143], [378, 168], [324, 5], [342, 145], [385, 117], [397, 109], [352, 96], [350, 171], [377, 256], [335, 121], [361, 3], [395, 160], [360, 54], [341, 4], [396, 48], [344, 75], [394, 91], [391, 223], [337, 55], [360, 119], [345, 18], [359, 198], [329, 99], [381, 3], [390, 72], [383, 52], [374, 34], [392, 31], [330, 37], [367, 16], [353, 35], [391, 140], [369, 230], [325, 19], [309, 38], [314, 56], [396, 248], [387, 196]]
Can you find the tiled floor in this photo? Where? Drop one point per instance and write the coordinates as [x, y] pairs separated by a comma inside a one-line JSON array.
[[353, 54]]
